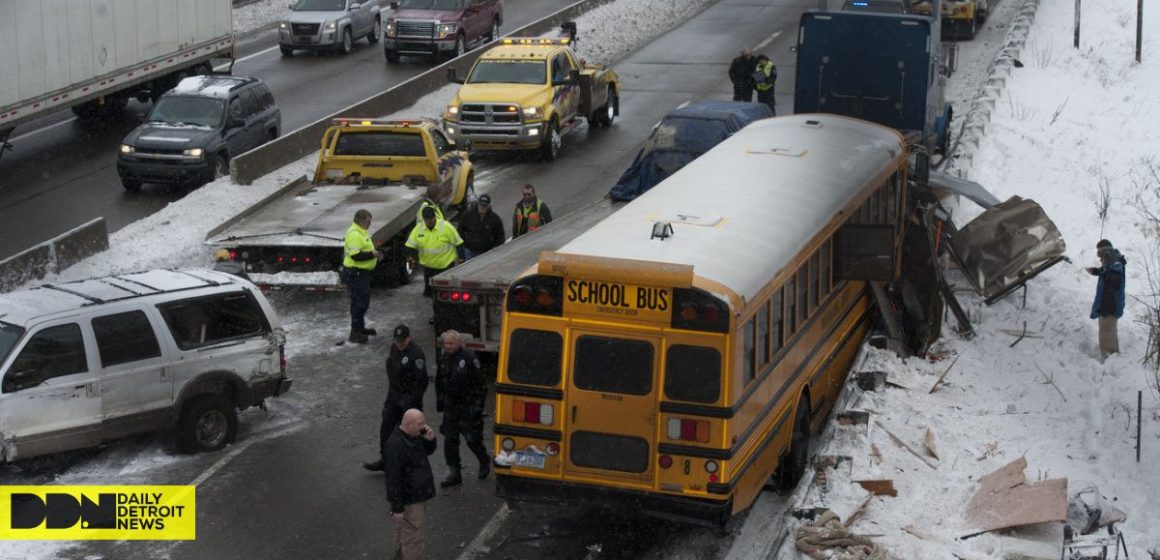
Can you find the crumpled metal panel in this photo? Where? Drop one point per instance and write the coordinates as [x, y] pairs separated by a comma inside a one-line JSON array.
[[1005, 244]]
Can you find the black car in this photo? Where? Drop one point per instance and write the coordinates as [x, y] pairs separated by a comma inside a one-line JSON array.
[[194, 130], [879, 6]]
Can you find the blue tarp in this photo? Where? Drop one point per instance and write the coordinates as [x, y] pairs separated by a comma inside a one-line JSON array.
[[681, 136]]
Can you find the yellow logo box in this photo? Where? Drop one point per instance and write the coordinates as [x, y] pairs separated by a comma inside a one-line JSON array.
[[152, 513]]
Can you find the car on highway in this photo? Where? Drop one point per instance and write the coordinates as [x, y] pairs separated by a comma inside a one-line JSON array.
[[195, 128], [440, 27], [330, 25], [88, 361]]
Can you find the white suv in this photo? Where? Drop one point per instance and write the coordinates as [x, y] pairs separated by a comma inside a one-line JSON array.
[[85, 362]]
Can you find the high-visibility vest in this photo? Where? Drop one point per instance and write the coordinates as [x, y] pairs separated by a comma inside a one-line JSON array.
[[766, 69], [530, 215], [358, 240], [437, 245]]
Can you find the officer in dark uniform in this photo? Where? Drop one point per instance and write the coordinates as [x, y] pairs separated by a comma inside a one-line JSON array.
[[407, 381], [460, 391]]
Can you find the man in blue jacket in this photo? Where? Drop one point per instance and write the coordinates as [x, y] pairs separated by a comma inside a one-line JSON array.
[[1108, 306]]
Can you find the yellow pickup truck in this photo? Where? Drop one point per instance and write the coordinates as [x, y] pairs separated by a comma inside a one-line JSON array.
[[525, 93], [389, 167]]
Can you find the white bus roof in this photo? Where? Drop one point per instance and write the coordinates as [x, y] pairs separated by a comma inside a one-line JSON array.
[[741, 211]]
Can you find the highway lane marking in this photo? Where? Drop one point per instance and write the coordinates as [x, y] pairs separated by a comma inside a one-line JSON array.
[[767, 41], [221, 67], [268, 433], [476, 547]]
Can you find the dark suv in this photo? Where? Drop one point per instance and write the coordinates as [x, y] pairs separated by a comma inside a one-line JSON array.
[[194, 130]]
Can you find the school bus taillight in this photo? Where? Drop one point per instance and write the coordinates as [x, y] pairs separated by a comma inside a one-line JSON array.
[[537, 294], [532, 412], [697, 310], [683, 429]]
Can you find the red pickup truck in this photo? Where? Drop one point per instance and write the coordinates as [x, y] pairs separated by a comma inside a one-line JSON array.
[[440, 27]]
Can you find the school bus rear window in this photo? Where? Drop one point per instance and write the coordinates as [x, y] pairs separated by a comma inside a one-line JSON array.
[[610, 452], [692, 373], [613, 365], [535, 357]]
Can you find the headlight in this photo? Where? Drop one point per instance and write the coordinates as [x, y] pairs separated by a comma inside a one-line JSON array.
[[284, 24], [127, 149], [533, 112], [452, 110], [446, 29], [330, 25], [390, 29], [194, 152]]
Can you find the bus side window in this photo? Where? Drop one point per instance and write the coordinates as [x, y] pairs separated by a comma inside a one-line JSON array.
[[876, 208], [824, 269], [763, 335], [790, 307], [778, 325], [803, 283], [815, 281], [748, 348]]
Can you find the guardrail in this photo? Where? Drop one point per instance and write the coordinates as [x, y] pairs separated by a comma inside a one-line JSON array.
[[54, 255], [244, 169]]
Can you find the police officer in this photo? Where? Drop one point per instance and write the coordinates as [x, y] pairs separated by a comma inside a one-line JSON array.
[[359, 260], [437, 242], [407, 381], [460, 391], [531, 213]]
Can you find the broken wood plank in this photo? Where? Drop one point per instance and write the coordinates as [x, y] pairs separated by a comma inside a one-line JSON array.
[[897, 440], [884, 487], [944, 374], [923, 534], [875, 453], [858, 512], [1005, 499]]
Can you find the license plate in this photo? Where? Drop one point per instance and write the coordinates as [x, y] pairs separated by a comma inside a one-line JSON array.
[[529, 459], [304, 39]]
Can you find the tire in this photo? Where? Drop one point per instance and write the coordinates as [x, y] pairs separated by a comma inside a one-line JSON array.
[[460, 46], [972, 29], [94, 111], [131, 185], [792, 466], [221, 166], [468, 194], [286, 51], [208, 423], [347, 43], [376, 32], [607, 113], [550, 148], [392, 56], [403, 272], [494, 34]]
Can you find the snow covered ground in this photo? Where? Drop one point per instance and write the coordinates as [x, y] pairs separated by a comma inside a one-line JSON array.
[[1071, 128]]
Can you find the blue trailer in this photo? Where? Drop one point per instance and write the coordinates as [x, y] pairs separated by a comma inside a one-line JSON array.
[[883, 68]]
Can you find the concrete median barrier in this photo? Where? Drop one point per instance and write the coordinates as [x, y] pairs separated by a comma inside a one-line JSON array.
[[54, 255], [244, 169]]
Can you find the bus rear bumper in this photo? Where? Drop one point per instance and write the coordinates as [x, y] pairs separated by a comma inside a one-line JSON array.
[[694, 511]]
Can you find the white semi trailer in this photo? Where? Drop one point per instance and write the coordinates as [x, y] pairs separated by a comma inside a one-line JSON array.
[[94, 55]]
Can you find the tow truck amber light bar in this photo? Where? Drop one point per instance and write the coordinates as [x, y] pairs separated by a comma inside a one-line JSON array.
[[538, 41], [377, 122]]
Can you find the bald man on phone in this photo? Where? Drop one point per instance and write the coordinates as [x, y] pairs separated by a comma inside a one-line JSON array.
[[410, 482]]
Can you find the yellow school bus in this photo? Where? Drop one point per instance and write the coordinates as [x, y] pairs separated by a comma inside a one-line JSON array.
[[675, 358]]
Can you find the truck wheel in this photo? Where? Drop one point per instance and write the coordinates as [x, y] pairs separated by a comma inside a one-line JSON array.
[[972, 29], [403, 273], [551, 146], [608, 112], [792, 465], [468, 194], [376, 32], [347, 43], [392, 56], [221, 167], [494, 31], [207, 423], [460, 46], [286, 51], [131, 185]]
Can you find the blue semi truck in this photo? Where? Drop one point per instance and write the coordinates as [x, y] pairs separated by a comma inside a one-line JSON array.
[[883, 68]]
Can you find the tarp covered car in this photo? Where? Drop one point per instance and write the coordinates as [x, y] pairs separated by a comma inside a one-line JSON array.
[[1007, 245], [682, 135]]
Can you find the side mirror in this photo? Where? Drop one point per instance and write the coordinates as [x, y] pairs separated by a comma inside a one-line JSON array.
[[452, 77], [463, 145], [236, 122], [355, 6]]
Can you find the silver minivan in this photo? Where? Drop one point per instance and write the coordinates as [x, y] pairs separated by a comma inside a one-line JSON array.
[[88, 361]]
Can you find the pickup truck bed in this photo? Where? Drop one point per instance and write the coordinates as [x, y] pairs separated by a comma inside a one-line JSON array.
[[487, 276]]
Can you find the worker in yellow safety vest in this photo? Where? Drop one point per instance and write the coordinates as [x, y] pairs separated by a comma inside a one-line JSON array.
[[359, 258], [531, 213], [764, 78], [437, 243]]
